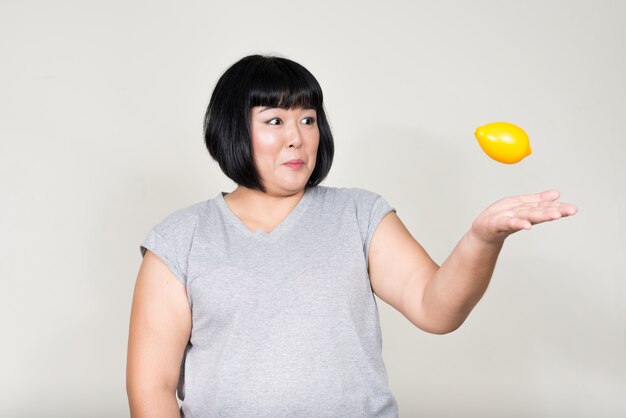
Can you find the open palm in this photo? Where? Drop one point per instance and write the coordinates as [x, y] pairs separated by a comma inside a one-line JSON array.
[[515, 213]]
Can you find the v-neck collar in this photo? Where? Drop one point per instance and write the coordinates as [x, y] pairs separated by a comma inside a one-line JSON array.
[[283, 226]]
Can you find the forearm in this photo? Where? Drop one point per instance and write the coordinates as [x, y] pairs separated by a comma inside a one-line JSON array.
[[459, 283], [148, 403]]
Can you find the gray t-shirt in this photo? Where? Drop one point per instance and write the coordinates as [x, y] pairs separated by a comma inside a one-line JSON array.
[[285, 324]]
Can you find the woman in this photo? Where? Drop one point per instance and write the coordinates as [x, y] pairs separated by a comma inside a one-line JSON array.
[[259, 302]]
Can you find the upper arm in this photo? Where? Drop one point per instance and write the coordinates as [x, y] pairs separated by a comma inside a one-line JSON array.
[[399, 268], [160, 327]]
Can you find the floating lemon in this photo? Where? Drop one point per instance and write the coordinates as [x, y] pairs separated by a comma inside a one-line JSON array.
[[504, 142]]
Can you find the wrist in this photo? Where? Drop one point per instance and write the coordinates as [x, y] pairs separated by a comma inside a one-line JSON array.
[[476, 239]]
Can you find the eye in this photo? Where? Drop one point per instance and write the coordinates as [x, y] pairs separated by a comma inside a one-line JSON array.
[[308, 120], [274, 121]]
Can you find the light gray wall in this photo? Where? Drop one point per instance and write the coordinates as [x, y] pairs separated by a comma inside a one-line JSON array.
[[101, 107]]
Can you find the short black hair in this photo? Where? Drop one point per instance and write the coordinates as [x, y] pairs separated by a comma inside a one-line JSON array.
[[258, 80]]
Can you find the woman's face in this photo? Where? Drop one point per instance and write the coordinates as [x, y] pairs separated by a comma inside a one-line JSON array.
[[284, 147]]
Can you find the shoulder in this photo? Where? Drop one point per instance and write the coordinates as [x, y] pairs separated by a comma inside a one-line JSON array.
[[367, 206], [172, 238], [363, 201], [358, 196], [182, 221]]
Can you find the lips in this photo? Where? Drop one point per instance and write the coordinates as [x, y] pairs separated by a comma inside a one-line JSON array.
[[294, 163]]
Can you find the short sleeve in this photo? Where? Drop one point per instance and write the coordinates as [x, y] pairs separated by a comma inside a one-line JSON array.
[[371, 209], [171, 240], [160, 247]]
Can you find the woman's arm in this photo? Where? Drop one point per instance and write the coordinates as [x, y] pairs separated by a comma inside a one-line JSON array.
[[160, 326], [439, 299]]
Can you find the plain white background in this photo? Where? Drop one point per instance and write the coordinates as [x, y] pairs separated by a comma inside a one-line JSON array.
[[101, 107]]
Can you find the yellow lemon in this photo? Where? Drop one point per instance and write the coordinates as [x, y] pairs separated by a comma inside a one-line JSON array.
[[504, 142]]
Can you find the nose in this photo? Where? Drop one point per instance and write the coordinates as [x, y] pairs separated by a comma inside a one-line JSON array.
[[295, 138]]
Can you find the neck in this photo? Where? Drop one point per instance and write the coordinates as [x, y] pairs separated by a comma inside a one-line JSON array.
[[264, 205], [245, 193]]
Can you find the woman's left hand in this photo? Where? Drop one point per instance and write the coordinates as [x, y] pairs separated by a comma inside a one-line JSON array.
[[513, 214]]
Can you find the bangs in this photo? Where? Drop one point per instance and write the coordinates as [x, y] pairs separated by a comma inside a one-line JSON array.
[[284, 84]]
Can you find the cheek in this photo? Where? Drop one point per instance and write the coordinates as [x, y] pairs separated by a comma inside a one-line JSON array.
[[314, 143], [265, 141], [265, 148]]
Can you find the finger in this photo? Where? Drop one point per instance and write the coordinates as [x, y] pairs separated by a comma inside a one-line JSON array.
[[565, 209], [546, 213], [568, 209], [535, 214], [518, 224], [514, 203], [528, 199], [549, 195], [539, 205], [510, 224], [551, 204], [545, 196]]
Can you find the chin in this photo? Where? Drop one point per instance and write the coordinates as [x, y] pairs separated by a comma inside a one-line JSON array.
[[291, 187], [294, 189]]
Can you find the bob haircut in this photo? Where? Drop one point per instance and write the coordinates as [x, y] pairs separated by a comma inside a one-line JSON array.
[[258, 80]]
